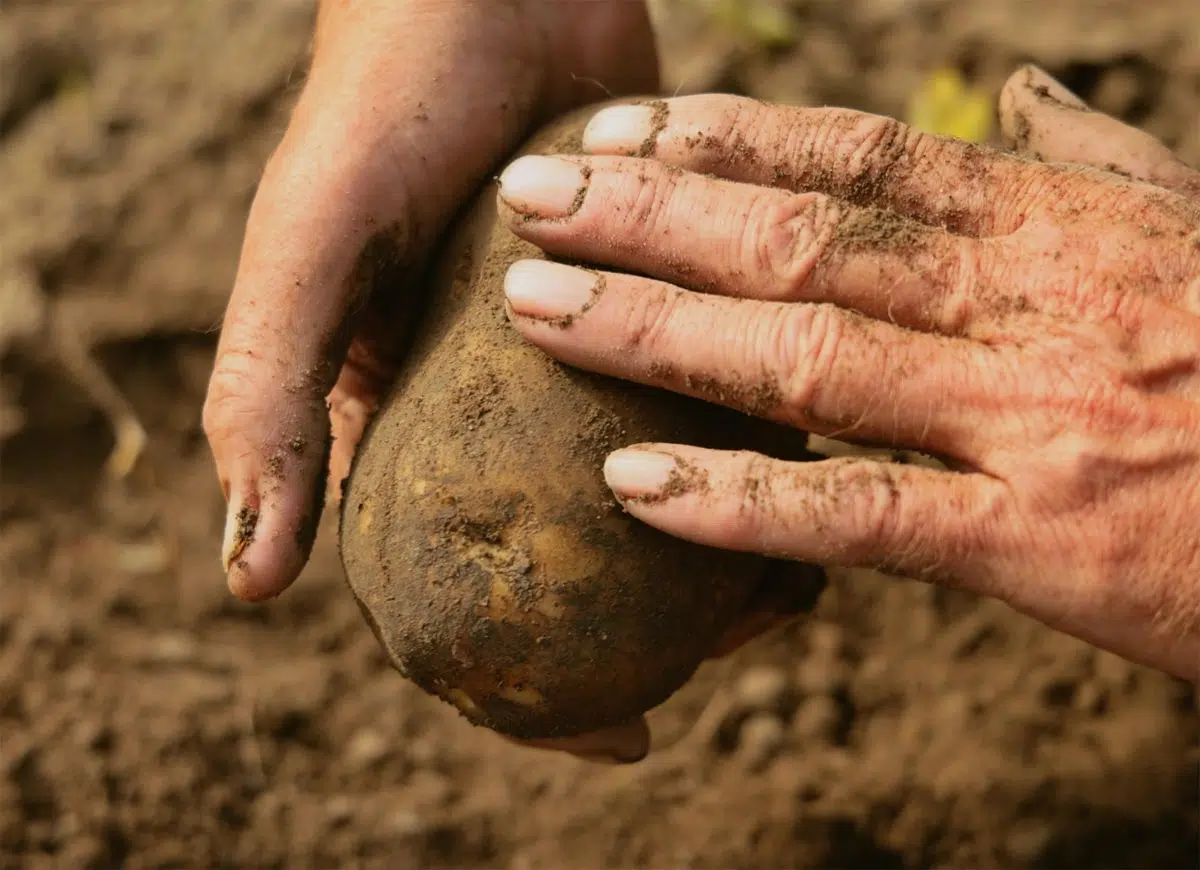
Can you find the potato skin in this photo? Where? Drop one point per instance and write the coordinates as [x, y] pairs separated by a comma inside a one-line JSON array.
[[479, 537]]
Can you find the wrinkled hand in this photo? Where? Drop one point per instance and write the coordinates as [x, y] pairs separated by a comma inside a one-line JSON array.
[[1034, 323]]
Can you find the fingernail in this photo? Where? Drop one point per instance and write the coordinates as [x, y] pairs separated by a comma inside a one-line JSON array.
[[544, 186], [620, 128], [240, 524], [1046, 87], [639, 473], [548, 291]]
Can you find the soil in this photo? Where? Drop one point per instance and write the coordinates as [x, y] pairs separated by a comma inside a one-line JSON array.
[[148, 720]]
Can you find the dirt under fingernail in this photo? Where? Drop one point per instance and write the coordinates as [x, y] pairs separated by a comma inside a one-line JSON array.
[[658, 123], [685, 478], [245, 524]]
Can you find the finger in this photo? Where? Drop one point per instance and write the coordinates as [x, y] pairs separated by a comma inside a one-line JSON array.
[[748, 241], [862, 158], [904, 519], [620, 744], [816, 367], [1041, 118]]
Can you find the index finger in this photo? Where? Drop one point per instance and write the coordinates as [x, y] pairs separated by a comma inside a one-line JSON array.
[[862, 158]]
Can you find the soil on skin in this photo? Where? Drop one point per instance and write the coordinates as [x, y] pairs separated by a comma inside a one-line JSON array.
[[148, 720]]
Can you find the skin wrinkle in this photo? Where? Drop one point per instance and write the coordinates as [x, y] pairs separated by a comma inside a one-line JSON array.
[[651, 315], [880, 154], [955, 291], [757, 499], [918, 546], [766, 203], [917, 182], [887, 161], [744, 132], [780, 353], [867, 506], [790, 238], [697, 211], [857, 424], [814, 348], [650, 209]]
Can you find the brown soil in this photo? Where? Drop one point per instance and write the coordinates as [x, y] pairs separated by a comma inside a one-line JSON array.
[[147, 720]]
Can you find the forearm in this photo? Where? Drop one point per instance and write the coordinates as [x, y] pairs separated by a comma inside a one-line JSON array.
[[568, 45]]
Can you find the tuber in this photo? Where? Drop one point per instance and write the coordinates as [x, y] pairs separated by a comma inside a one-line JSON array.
[[478, 535]]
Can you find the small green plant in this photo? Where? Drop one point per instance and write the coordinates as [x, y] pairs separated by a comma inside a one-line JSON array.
[[947, 105], [767, 23]]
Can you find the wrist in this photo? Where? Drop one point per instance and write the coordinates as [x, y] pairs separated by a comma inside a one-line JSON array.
[[389, 73]]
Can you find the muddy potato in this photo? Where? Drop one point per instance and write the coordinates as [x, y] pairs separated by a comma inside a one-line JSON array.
[[478, 535]]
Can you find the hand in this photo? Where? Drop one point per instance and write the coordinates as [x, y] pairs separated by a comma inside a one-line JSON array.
[[407, 108], [1033, 323]]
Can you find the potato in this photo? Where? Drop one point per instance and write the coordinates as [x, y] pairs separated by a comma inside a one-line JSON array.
[[479, 537]]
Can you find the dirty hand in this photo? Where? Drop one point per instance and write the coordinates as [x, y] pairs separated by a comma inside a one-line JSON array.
[[1035, 324], [407, 108]]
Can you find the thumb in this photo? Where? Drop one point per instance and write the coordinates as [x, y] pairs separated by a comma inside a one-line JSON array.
[[323, 241], [367, 176], [1041, 118]]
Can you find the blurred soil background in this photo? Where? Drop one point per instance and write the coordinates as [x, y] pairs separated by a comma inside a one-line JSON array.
[[148, 720]]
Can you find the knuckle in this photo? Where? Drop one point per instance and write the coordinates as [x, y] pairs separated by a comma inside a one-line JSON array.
[[1103, 403], [870, 147], [963, 275], [648, 201], [649, 318], [803, 346], [221, 401], [787, 238], [756, 496], [882, 142], [743, 121], [876, 520]]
